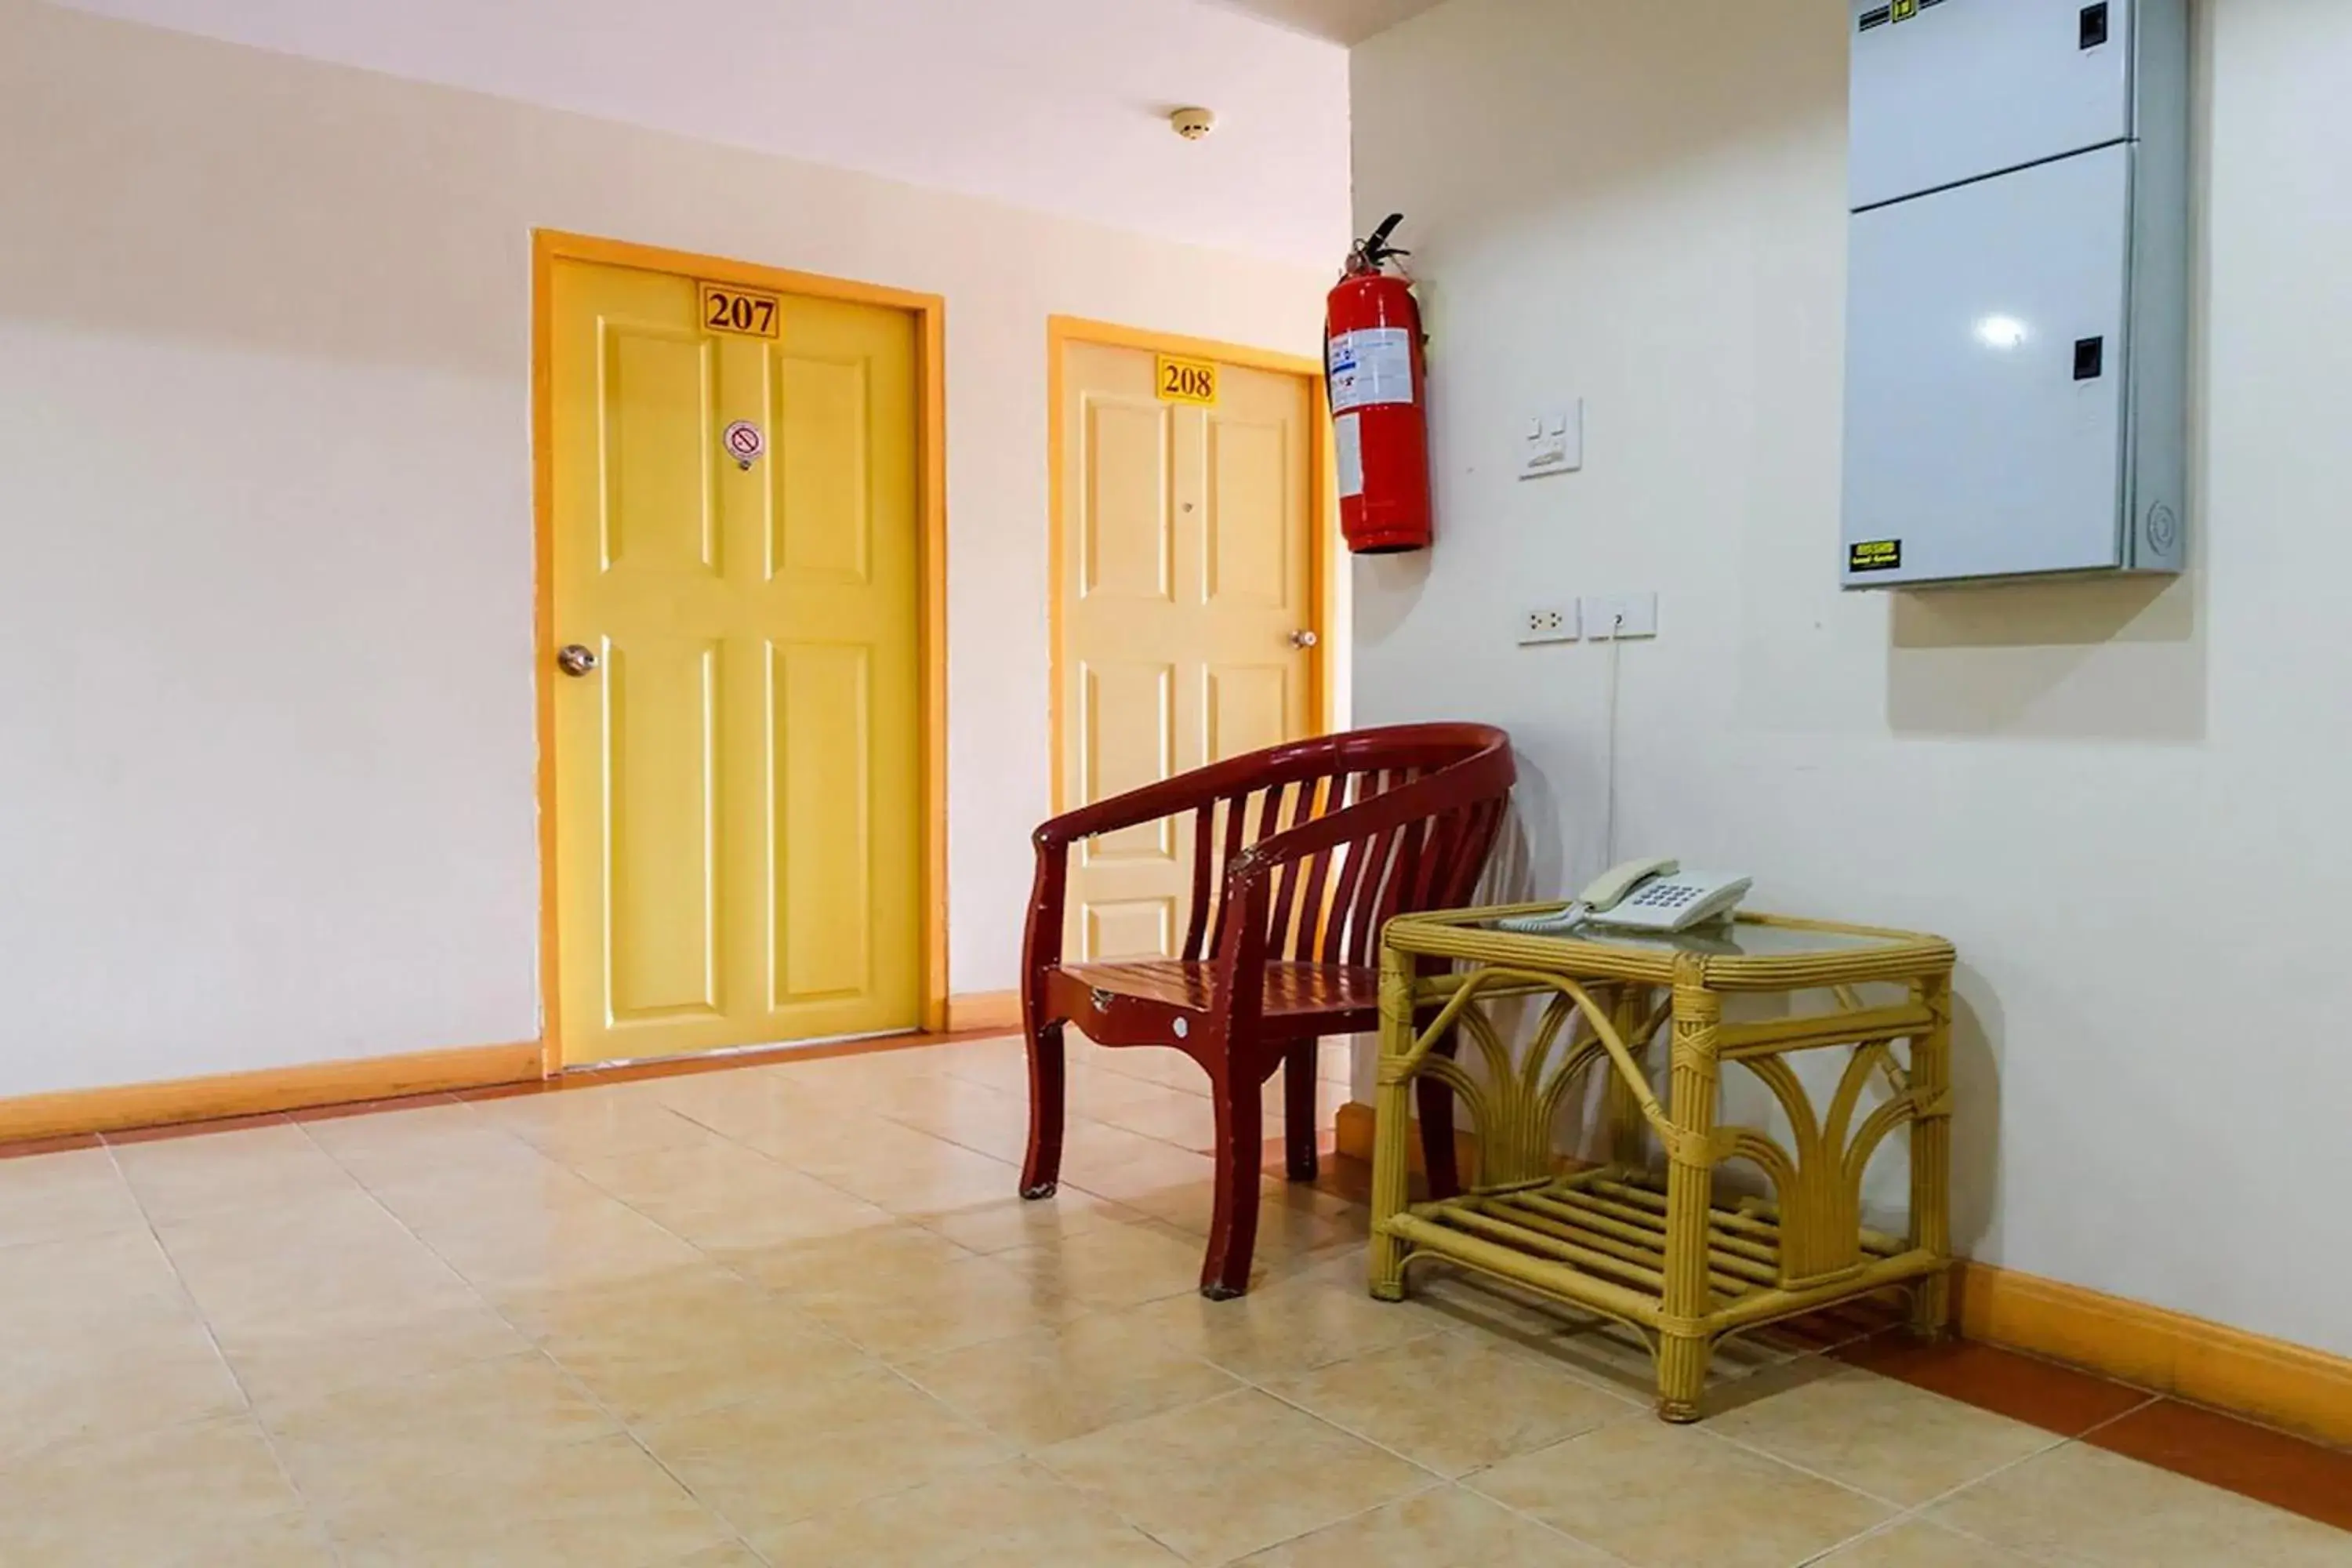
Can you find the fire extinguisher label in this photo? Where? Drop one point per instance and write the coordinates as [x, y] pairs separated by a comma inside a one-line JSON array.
[[1348, 440], [1371, 366]]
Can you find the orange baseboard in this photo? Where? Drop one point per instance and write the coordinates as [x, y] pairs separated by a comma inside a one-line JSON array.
[[1352, 1138], [182, 1100], [2205, 1362], [984, 1010]]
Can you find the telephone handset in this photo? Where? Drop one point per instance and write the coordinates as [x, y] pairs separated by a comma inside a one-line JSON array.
[[1643, 895]]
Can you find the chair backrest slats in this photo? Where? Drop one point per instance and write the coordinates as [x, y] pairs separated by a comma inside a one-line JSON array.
[[1328, 905]]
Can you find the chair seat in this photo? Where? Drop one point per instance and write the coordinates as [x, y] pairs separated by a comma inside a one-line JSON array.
[[1293, 990]]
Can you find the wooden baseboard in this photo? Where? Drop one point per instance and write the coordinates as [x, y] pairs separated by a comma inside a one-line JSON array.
[[1352, 1137], [2289, 1386], [255, 1093], [983, 1010]]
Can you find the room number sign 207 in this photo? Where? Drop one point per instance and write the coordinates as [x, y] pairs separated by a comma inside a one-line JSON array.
[[1186, 379], [743, 311]]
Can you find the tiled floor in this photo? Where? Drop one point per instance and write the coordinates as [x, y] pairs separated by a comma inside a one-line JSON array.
[[794, 1314]]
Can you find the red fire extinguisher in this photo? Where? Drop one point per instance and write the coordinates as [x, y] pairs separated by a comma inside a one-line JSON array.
[[1371, 335]]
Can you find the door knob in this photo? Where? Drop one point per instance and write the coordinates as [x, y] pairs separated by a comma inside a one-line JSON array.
[[575, 660], [1303, 638]]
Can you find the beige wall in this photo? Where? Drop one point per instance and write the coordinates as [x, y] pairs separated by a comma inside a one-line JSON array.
[[2126, 802], [267, 781]]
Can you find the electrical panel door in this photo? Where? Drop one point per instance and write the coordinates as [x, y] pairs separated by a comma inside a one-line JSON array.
[[1986, 377], [1947, 90]]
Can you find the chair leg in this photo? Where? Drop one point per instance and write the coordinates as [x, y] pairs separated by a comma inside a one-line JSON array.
[[1041, 1171], [1433, 1107], [1298, 1067], [1232, 1230]]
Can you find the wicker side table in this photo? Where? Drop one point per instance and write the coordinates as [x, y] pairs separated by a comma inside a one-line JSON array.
[[1663, 1251]]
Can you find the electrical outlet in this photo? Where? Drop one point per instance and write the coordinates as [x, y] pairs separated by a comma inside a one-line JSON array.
[[1615, 615], [1548, 623]]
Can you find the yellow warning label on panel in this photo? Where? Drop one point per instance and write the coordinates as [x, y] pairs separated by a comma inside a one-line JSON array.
[[1875, 555], [1903, 10], [727, 309], [1185, 380]]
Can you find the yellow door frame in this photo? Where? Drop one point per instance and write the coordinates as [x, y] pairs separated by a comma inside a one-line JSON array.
[[1322, 514], [547, 247]]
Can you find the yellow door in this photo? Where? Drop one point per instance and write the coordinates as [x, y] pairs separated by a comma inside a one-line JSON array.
[[737, 777], [1188, 609]]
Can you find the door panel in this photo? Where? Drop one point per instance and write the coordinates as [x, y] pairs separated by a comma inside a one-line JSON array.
[[737, 787], [1188, 572], [661, 923]]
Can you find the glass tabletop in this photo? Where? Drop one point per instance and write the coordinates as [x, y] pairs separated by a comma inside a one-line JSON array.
[[1745, 938]]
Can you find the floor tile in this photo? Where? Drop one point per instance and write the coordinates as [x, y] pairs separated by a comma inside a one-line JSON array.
[[133, 1377], [47, 1197], [602, 1501], [679, 1346], [1918, 1544], [722, 1196], [596, 1123], [2272, 1467], [1874, 1434], [338, 1258], [2082, 1506], [291, 1362], [472, 1420], [442, 1134], [1001, 1224], [2039, 1393], [1288, 1326], [76, 1291], [824, 1445], [1051, 1384], [180, 1494], [1444, 1526], [1454, 1403], [1005, 1516], [1217, 1480], [905, 1292], [260, 1167], [1666, 1497], [1113, 1266]]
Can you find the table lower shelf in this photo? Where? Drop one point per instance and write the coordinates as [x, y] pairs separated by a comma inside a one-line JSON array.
[[1598, 1238]]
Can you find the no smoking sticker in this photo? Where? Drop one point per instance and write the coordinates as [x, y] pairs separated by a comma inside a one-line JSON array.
[[744, 442]]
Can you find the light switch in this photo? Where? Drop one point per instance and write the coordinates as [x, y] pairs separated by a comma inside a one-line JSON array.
[[1555, 442]]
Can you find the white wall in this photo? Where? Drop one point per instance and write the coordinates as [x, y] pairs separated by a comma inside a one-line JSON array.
[[2125, 802], [265, 701], [1059, 106]]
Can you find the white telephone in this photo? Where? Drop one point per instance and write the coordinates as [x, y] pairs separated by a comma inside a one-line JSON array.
[[1643, 895]]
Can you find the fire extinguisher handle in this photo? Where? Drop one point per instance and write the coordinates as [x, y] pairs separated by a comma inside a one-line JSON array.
[[1376, 247]]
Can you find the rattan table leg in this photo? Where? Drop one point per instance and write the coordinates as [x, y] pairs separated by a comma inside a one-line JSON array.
[[1931, 1158], [1685, 1346], [1629, 1129], [1393, 1126]]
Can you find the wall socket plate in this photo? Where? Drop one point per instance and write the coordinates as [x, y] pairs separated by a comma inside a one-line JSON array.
[[1549, 622], [1612, 617]]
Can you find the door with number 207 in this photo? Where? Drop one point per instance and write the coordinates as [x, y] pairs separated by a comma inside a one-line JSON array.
[[735, 594]]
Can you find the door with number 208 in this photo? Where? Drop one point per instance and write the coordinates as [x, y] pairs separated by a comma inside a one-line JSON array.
[[1188, 602], [736, 773]]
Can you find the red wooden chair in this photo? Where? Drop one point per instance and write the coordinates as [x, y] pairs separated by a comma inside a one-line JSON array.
[[1301, 854]]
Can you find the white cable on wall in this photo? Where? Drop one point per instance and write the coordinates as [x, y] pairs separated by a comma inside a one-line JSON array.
[[1608, 809]]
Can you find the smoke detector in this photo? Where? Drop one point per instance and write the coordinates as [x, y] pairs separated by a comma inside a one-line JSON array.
[[1192, 123]]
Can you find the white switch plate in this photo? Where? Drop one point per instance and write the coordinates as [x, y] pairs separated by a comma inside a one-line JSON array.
[[1552, 441], [1549, 622], [1615, 616]]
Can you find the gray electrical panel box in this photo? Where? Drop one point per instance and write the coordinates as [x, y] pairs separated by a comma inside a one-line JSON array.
[[2017, 338]]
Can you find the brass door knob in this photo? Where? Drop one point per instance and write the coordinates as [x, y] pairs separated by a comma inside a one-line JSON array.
[[575, 660]]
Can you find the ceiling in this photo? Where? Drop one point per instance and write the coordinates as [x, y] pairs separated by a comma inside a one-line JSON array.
[[1058, 106], [1340, 21]]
